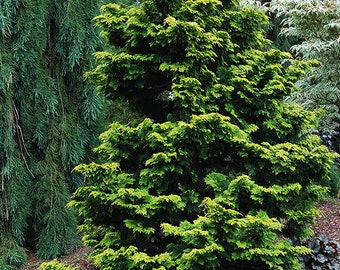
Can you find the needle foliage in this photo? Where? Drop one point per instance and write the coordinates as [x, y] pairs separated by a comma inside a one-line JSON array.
[[47, 122]]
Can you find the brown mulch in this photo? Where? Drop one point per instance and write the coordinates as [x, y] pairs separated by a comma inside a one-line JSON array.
[[327, 223], [77, 259]]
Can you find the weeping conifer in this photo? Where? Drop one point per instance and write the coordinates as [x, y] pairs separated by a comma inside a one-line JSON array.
[[48, 121]]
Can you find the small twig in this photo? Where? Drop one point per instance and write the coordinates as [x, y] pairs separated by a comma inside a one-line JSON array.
[[21, 139]]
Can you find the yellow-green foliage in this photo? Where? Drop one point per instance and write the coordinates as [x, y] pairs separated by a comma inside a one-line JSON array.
[[221, 172], [55, 265]]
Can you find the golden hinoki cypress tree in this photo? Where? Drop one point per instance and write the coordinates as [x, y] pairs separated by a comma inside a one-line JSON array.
[[221, 172]]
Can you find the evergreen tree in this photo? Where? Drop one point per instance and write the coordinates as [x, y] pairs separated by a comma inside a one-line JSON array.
[[273, 28], [221, 172], [47, 121]]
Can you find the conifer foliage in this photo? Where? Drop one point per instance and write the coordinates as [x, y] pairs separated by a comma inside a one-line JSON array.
[[47, 122], [221, 172]]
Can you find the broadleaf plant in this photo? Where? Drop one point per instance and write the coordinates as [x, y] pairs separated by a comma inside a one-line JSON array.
[[317, 25], [221, 173]]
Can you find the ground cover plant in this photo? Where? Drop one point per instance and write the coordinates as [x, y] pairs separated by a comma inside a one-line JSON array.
[[221, 172]]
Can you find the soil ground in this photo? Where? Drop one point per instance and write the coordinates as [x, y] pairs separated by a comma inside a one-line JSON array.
[[327, 223], [77, 259]]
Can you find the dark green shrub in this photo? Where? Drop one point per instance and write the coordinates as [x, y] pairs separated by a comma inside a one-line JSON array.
[[11, 256], [334, 183]]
